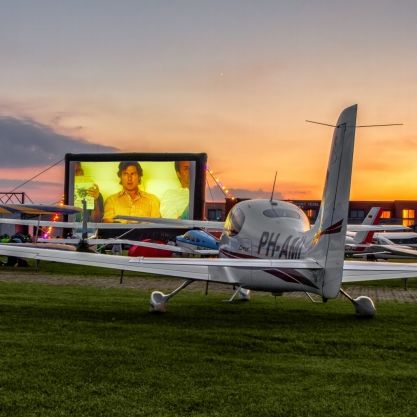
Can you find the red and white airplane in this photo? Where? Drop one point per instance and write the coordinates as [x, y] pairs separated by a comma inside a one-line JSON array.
[[373, 246], [268, 245]]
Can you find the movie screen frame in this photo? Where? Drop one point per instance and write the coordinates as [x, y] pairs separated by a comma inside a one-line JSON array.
[[167, 183]]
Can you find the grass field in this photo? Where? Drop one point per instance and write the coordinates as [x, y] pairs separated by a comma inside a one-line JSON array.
[[98, 352]]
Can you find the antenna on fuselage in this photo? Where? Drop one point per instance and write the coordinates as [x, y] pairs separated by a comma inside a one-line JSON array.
[[273, 187]]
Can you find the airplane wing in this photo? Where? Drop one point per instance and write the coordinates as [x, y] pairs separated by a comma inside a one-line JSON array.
[[171, 248], [357, 271], [207, 269], [385, 251], [204, 269], [203, 224], [78, 225], [376, 255], [39, 209], [51, 245], [375, 227]]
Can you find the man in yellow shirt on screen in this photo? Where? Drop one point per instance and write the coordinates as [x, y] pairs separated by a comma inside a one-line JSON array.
[[130, 201]]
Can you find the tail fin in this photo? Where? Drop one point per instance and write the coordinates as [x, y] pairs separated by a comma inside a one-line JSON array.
[[327, 244], [372, 218]]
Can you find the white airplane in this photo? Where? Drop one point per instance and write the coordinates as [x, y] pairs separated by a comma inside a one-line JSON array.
[[193, 242], [268, 245], [374, 246], [365, 236]]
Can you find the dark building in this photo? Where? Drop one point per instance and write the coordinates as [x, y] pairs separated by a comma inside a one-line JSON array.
[[394, 212]]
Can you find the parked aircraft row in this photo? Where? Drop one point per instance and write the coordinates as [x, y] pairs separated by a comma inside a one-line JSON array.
[[268, 245], [374, 246], [200, 242]]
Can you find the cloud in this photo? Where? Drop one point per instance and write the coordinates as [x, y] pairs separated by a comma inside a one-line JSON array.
[[28, 143], [34, 191], [10, 184]]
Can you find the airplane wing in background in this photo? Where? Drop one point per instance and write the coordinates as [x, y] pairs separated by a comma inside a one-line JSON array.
[[376, 251], [64, 246], [375, 227], [203, 224], [357, 271], [38, 209], [110, 241], [78, 225]]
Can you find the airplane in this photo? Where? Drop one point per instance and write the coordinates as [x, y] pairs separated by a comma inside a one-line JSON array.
[[192, 242], [373, 246], [268, 245], [365, 236], [195, 241], [366, 230], [37, 210], [200, 240]]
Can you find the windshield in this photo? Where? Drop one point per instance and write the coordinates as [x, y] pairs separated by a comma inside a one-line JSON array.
[[234, 222], [281, 212]]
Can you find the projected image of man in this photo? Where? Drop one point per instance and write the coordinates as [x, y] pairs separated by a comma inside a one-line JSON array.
[[175, 202], [130, 201]]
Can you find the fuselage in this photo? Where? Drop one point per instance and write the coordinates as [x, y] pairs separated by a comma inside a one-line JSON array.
[[264, 229], [197, 239]]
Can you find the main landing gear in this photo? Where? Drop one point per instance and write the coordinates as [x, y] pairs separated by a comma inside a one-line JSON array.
[[364, 306], [159, 300], [242, 293]]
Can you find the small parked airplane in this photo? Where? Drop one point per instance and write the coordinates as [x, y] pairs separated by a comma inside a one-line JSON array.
[[373, 246], [268, 245], [192, 242], [365, 236]]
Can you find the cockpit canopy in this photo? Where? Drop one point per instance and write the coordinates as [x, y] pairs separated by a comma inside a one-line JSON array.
[[234, 221], [265, 212], [289, 213], [281, 212]]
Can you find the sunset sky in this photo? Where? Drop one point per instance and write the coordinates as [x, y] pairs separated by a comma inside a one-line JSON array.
[[234, 79]]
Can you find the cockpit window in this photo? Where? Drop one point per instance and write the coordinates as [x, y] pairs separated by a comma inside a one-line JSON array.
[[234, 222], [281, 212]]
